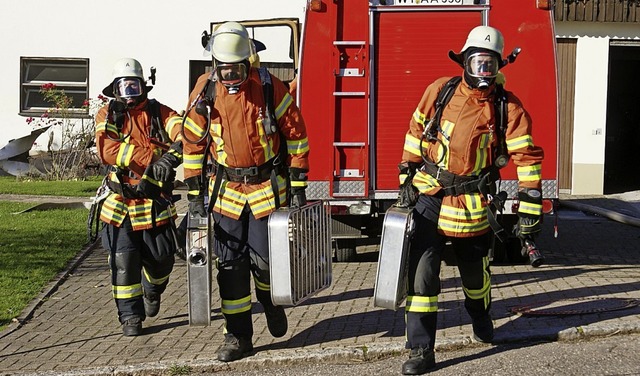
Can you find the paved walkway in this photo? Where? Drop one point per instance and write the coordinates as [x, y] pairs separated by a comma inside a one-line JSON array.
[[589, 286]]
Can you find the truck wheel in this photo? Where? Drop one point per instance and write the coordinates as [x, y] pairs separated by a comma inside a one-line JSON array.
[[345, 250]]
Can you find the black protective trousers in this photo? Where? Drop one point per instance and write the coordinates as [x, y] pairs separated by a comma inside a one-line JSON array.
[[140, 261], [425, 256], [242, 246]]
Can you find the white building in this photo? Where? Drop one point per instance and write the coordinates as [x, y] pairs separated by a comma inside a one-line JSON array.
[[75, 43]]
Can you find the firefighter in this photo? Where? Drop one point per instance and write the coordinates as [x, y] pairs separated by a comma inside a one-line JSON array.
[[450, 162], [251, 166], [133, 133]]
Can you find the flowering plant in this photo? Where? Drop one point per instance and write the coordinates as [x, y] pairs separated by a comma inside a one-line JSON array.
[[70, 147]]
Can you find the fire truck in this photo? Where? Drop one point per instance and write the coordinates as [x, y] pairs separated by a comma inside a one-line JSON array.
[[361, 67]]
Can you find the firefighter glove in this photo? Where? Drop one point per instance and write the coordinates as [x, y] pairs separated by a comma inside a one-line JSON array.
[[164, 168], [529, 213], [408, 194], [196, 205], [298, 197], [195, 196]]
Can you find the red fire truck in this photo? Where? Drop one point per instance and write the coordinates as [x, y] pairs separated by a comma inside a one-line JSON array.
[[361, 67]]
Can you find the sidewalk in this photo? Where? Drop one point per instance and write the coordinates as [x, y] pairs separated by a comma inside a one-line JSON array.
[[589, 286]]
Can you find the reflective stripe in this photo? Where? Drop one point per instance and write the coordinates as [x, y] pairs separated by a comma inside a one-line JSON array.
[[298, 146], [519, 142], [283, 106], [125, 292], [530, 173], [411, 144], [419, 117], [124, 155], [462, 227], [230, 307], [422, 304], [482, 153], [155, 281], [220, 153], [530, 208], [485, 292], [174, 122], [298, 183], [193, 127], [262, 286], [193, 161]]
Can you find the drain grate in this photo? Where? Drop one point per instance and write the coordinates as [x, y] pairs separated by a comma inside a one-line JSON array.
[[578, 306]]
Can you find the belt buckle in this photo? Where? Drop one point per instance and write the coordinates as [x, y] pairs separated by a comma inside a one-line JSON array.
[[253, 171], [438, 173]]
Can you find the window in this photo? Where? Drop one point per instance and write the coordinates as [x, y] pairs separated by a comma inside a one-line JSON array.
[[70, 75]]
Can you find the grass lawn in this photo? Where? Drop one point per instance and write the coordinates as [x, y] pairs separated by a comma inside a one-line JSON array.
[[35, 246], [79, 188]]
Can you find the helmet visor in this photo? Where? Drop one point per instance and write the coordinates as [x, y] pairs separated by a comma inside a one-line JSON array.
[[482, 64], [127, 87], [231, 74]]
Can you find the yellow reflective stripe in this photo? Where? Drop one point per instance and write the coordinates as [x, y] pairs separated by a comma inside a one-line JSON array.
[[402, 178], [530, 173], [193, 161], [422, 304], [101, 126], [220, 153], [155, 281], [298, 183], [462, 227], [482, 153], [152, 180], [411, 144], [193, 127], [194, 192], [283, 106], [230, 307], [172, 122], [113, 210], [463, 214], [175, 153], [485, 292], [519, 142], [447, 130], [298, 146], [124, 292], [419, 117], [424, 182], [530, 208], [124, 155], [262, 286]]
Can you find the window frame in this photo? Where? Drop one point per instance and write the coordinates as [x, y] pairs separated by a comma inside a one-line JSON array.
[[30, 95]]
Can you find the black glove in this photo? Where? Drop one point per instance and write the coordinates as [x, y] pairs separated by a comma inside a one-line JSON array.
[[196, 205], [298, 178], [408, 194], [298, 197], [164, 168], [529, 214], [195, 196]]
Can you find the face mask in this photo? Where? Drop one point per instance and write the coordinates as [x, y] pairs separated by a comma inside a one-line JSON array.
[[231, 75]]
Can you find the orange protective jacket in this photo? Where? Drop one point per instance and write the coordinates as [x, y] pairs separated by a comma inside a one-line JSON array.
[[131, 150], [238, 139], [469, 137]]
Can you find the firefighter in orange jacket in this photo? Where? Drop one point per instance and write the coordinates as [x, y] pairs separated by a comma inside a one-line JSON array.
[[458, 153], [132, 135], [228, 114]]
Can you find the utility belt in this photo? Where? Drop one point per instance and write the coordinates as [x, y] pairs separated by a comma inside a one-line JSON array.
[[455, 185], [247, 175]]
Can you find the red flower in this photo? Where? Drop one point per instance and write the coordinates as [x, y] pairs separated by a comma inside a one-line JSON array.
[[48, 86], [85, 103], [29, 120]]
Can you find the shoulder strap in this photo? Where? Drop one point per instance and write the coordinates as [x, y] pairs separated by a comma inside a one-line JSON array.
[[444, 96], [270, 121]]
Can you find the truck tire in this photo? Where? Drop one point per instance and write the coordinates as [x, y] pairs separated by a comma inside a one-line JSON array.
[[345, 250]]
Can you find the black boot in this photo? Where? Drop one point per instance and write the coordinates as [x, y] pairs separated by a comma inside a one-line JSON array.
[[151, 304], [483, 329], [420, 361], [234, 348], [132, 326], [276, 320]]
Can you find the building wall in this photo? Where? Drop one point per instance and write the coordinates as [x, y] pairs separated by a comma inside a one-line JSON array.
[[590, 104], [160, 33]]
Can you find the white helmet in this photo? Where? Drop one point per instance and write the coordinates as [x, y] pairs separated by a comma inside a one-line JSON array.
[[126, 67], [485, 37], [230, 43]]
